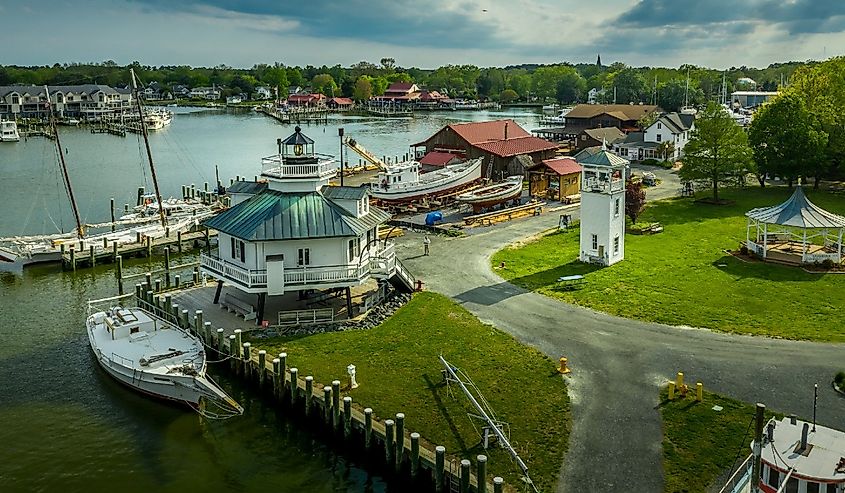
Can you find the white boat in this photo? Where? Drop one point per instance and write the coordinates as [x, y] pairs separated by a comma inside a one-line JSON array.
[[9, 131], [156, 119], [403, 182], [173, 208], [497, 193], [156, 357], [559, 119]]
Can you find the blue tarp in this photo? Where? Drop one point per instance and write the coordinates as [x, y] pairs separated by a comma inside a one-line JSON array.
[[431, 217]]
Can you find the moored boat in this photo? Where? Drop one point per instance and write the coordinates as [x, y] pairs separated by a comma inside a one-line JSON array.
[[403, 182], [9, 131], [156, 357], [497, 193]]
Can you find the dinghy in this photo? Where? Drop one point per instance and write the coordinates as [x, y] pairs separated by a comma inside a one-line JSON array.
[[497, 193]]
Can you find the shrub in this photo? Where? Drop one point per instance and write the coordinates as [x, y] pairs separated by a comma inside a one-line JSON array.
[[652, 162], [839, 379], [743, 250], [827, 263]]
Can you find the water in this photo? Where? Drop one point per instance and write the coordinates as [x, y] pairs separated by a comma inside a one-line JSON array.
[[65, 425]]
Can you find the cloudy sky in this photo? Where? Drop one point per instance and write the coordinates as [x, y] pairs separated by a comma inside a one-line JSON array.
[[422, 33]]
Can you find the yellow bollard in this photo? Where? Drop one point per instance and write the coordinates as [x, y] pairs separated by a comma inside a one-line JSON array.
[[699, 391], [671, 390], [563, 368], [679, 381]]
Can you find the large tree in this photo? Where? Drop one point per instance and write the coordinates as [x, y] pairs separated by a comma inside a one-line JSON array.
[[626, 86], [717, 151], [325, 84], [786, 142], [674, 94], [634, 199], [363, 89]]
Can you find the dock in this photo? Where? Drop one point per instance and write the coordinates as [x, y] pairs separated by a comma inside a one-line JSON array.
[[304, 115], [109, 128], [75, 258]]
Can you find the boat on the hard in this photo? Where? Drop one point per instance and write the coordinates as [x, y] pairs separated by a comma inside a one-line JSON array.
[[497, 193], [9, 131], [155, 356], [405, 182]]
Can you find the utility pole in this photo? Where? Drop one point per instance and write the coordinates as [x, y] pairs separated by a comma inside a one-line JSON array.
[[340, 136]]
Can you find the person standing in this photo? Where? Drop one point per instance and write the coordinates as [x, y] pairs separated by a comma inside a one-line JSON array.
[[426, 243]]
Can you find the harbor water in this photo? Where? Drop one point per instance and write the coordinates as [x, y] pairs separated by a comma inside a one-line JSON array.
[[65, 425]]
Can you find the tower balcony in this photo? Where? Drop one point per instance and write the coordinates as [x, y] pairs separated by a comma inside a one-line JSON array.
[[279, 167]]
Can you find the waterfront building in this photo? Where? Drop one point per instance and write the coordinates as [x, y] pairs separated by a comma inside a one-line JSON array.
[[87, 102], [555, 179], [263, 92], [306, 99], [750, 99], [603, 208], [507, 148], [592, 137], [625, 117], [209, 93], [669, 127], [296, 233]]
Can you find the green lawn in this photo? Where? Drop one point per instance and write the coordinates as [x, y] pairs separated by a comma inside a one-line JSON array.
[[699, 444], [684, 277], [398, 371]]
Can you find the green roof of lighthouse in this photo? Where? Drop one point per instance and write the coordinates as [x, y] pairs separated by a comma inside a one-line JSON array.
[[604, 158]]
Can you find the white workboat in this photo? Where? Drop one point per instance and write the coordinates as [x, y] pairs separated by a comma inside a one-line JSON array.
[[559, 119], [403, 182], [158, 118], [497, 193], [155, 357], [9, 131]]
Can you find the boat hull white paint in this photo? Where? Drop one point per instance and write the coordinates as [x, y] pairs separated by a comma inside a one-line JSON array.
[[436, 188]]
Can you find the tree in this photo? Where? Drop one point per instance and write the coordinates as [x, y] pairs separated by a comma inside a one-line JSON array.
[[277, 77], [672, 95], [571, 87], [558, 80], [717, 151], [388, 64], [786, 142], [324, 84], [363, 90], [508, 96], [666, 149], [521, 83], [634, 199], [629, 85]]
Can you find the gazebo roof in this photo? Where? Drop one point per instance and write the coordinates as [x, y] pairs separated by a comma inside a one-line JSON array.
[[604, 158], [799, 212]]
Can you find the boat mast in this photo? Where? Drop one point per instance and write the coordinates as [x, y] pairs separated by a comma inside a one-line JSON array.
[[147, 144], [80, 231]]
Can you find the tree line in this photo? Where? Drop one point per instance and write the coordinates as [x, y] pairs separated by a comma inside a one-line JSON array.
[[566, 83], [798, 135]]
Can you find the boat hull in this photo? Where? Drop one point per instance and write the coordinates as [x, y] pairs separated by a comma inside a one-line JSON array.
[[430, 190], [492, 195]]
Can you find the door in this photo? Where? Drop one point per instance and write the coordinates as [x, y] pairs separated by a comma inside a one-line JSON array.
[[275, 274]]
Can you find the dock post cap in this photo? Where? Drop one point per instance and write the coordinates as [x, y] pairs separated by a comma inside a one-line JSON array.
[[368, 410], [440, 448], [498, 480], [347, 399], [335, 382], [466, 462], [220, 331], [481, 458], [400, 415], [309, 378], [283, 355], [261, 351], [415, 436], [276, 361], [388, 422]]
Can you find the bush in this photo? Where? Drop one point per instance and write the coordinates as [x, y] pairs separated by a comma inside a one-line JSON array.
[[839, 379], [827, 263], [651, 162], [743, 250]]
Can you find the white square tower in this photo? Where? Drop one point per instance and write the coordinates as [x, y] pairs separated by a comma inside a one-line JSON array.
[[603, 208]]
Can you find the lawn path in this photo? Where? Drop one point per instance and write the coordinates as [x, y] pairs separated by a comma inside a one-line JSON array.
[[618, 363]]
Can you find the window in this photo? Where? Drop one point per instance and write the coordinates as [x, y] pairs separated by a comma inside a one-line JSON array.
[[616, 207], [353, 249], [792, 485], [595, 242], [659, 137], [774, 477], [238, 250], [304, 257], [659, 126], [616, 245], [16, 99], [831, 488], [812, 487]]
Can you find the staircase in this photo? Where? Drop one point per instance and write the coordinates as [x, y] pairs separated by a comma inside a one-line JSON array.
[[402, 279]]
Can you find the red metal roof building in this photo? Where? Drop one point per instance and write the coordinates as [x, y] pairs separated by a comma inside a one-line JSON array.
[[437, 159], [306, 99], [503, 142]]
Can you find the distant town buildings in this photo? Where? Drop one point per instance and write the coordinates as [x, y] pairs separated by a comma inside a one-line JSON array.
[[88, 101]]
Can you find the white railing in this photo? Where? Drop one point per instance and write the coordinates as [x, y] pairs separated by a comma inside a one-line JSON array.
[[246, 277], [821, 257], [302, 317], [740, 478], [383, 263], [274, 166], [596, 185], [325, 275]]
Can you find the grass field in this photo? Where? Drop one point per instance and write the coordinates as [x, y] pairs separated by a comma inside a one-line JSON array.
[[398, 371], [683, 276], [700, 444]]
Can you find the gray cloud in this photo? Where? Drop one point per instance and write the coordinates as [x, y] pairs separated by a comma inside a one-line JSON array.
[[796, 17], [398, 22]]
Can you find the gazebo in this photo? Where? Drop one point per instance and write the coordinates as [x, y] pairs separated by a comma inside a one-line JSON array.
[[796, 232]]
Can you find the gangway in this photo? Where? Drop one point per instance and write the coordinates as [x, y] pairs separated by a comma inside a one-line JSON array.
[[364, 153]]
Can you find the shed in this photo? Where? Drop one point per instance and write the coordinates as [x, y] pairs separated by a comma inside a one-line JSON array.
[[555, 179]]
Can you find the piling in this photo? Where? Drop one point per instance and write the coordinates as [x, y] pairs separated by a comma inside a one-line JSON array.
[[347, 416], [498, 484], [105, 242], [138, 292], [238, 342], [294, 387], [389, 445], [699, 391], [481, 474], [283, 357], [368, 427], [73, 258], [439, 467], [149, 246], [179, 241], [400, 438], [220, 341], [207, 334], [465, 464], [247, 358], [262, 367], [175, 312], [335, 404], [158, 286], [91, 257], [112, 214], [671, 391], [327, 403], [309, 393], [415, 454], [148, 277], [276, 374], [167, 266], [119, 260], [185, 324], [114, 254], [176, 281]]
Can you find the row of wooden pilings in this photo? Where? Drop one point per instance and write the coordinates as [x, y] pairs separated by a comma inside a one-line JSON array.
[[404, 452]]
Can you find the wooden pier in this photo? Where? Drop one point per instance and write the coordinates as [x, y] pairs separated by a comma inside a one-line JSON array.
[[75, 258], [394, 447], [304, 115], [109, 128]]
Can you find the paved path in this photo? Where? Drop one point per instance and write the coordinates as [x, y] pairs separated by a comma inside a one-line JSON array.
[[618, 363]]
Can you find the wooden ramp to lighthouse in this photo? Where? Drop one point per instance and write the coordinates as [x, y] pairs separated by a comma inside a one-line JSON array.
[[402, 279]]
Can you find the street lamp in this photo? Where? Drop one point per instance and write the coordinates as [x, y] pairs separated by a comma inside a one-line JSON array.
[[340, 136]]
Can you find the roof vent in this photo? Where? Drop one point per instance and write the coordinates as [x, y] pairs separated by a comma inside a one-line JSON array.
[[792, 419], [770, 432]]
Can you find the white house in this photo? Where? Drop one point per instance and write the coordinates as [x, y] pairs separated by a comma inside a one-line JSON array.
[[669, 127], [602, 208], [210, 93], [593, 95], [298, 233], [263, 92], [234, 100]]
